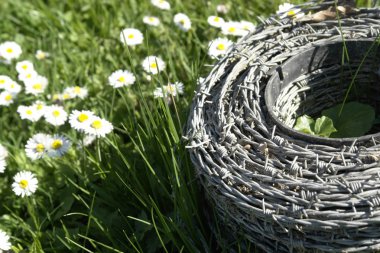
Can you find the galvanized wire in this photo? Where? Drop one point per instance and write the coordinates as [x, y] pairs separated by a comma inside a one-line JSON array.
[[284, 193]]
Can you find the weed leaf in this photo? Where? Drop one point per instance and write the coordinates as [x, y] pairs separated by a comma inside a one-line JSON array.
[[355, 120], [305, 124], [324, 127]]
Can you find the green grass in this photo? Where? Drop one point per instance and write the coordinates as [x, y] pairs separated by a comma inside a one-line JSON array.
[[136, 190]]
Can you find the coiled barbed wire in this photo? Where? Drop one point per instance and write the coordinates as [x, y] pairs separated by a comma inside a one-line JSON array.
[[283, 192]]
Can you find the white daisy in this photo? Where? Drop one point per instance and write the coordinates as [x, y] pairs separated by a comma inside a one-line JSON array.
[[71, 93], [131, 36], [219, 47], [58, 146], [40, 108], [10, 50], [40, 105], [55, 97], [7, 98], [153, 65], [293, 13], [36, 147], [182, 21], [36, 85], [296, 14], [13, 87], [29, 113], [4, 242], [215, 21], [233, 28], [148, 77], [27, 75], [288, 10], [66, 95], [172, 89], [158, 93], [24, 66], [98, 127], [3, 165], [285, 7], [121, 78], [200, 80], [76, 92], [3, 156], [25, 183], [41, 55], [55, 115], [151, 20], [3, 152], [4, 81], [248, 26], [88, 139], [161, 4], [79, 119], [222, 8]]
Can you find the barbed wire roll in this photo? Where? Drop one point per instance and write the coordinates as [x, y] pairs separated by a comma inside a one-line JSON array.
[[284, 190]]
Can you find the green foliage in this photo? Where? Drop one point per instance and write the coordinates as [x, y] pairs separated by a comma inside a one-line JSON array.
[[323, 126], [305, 124], [351, 120], [355, 119]]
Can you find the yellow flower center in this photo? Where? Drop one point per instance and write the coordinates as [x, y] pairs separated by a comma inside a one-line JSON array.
[[37, 86], [131, 36], [221, 47], [9, 50], [8, 97], [2, 81], [232, 29], [23, 183], [151, 19], [29, 112], [153, 65], [291, 13], [171, 88], [77, 89], [41, 55], [82, 117], [56, 144], [96, 124], [216, 19], [24, 66], [66, 96], [40, 148], [182, 22], [28, 75], [56, 97], [39, 107], [121, 79], [56, 113]]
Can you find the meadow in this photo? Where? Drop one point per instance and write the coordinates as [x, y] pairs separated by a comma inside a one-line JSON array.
[[123, 182]]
